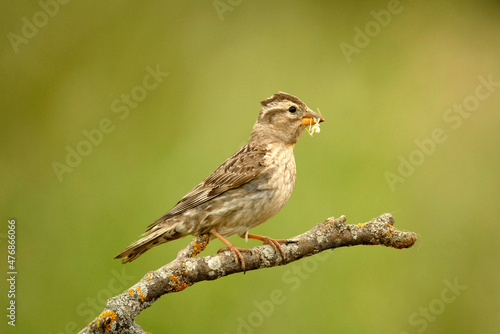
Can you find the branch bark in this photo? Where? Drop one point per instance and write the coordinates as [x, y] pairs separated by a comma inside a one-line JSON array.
[[120, 311]]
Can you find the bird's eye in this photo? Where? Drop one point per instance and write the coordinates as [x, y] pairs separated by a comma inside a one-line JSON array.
[[292, 109]]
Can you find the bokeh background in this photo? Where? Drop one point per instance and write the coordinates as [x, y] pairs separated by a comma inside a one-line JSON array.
[[68, 68]]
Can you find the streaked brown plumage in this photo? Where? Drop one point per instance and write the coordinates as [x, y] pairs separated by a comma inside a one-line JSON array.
[[246, 190]]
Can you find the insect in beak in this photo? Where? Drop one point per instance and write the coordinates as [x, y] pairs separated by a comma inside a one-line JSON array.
[[314, 128]]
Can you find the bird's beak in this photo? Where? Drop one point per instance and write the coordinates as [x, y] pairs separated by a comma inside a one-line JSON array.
[[311, 118]]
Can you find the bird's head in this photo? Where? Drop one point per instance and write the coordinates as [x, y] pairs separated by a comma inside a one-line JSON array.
[[284, 117]]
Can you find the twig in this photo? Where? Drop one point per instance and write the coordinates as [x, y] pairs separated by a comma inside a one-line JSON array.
[[120, 311]]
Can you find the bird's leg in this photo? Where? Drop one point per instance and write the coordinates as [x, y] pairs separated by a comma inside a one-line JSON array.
[[269, 241], [235, 250]]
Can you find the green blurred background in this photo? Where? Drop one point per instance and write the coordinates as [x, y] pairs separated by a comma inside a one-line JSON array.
[[67, 71]]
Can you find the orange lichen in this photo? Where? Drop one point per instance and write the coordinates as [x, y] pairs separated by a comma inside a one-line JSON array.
[[390, 226], [198, 247], [177, 285], [405, 243], [130, 292], [105, 319], [140, 295], [360, 225]]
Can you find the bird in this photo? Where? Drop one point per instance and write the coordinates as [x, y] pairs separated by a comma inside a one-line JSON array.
[[246, 190]]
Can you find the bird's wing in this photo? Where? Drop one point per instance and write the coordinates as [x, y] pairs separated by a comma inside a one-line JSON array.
[[242, 167]]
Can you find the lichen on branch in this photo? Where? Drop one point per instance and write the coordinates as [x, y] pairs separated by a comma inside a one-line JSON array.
[[120, 311]]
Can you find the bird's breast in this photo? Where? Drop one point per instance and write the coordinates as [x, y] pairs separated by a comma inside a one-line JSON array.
[[280, 173], [240, 209]]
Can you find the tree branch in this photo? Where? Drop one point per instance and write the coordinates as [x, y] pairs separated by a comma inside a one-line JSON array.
[[120, 311]]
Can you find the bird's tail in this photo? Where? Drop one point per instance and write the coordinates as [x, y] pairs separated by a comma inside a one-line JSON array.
[[156, 236]]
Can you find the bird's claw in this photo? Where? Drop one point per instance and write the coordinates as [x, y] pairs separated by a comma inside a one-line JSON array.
[[236, 251], [275, 243]]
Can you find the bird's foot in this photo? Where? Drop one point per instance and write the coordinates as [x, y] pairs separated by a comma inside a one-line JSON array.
[[275, 243], [236, 251]]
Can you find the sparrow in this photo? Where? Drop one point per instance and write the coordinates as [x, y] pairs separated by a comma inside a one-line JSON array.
[[249, 188]]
